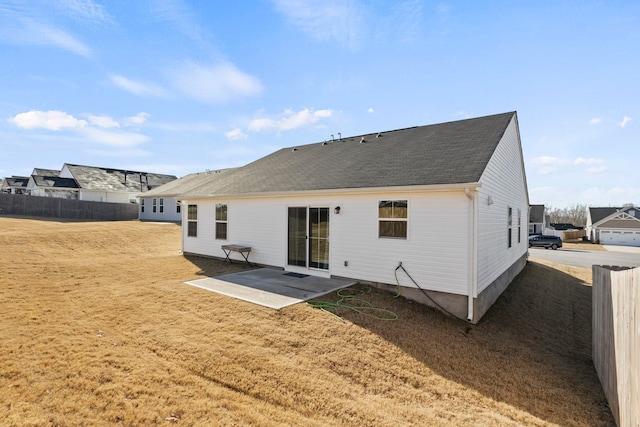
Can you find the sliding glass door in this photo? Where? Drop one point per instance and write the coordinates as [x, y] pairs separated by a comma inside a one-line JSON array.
[[308, 237]]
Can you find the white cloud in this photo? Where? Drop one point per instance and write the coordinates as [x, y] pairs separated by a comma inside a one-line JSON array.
[[28, 24], [596, 169], [41, 34], [624, 121], [86, 10], [215, 84], [114, 138], [547, 165], [52, 120], [103, 121], [137, 88], [99, 129], [235, 134], [178, 15], [138, 119], [340, 20], [589, 162], [595, 121], [289, 120], [370, 110]]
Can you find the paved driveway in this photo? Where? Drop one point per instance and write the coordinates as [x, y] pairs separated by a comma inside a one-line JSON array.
[[621, 256]]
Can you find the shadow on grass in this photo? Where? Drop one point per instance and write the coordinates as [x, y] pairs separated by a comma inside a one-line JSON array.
[[532, 350], [211, 267]]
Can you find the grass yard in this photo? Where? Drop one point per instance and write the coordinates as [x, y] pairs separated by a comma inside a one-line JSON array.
[[98, 329]]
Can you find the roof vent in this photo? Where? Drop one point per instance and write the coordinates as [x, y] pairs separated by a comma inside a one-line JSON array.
[[339, 136], [331, 137], [324, 143], [378, 135], [362, 140], [294, 149]]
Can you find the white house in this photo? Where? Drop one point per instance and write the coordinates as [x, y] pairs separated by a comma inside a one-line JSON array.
[[614, 226], [448, 202], [15, 184], [538, 219], [48, 183], [161, 203], [112, 185]]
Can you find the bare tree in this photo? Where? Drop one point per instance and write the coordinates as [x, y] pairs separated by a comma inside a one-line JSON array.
[[575, 214]]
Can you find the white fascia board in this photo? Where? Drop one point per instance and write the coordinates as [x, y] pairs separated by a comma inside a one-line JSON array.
[[470, 186]]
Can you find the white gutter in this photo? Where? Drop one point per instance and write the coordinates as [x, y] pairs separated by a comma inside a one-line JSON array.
[[472, 252]]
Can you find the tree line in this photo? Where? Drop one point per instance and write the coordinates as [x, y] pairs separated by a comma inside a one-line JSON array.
[[576, 215]]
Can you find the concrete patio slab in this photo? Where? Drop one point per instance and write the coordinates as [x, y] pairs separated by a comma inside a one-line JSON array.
[[270, 287]]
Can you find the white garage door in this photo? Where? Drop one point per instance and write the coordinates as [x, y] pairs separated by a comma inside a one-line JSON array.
[[622, 238]]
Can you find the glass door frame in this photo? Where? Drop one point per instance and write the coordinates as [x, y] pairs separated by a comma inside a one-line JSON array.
[[320, 240]]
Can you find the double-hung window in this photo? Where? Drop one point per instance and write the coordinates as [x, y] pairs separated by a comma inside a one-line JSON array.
[[192, 221], [392, 219], [142, 205], [161, 205], [153, 208], [221, 221], [509, 225], [519, 224]]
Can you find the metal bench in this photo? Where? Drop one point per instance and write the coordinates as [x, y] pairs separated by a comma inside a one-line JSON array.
[[242, 250]]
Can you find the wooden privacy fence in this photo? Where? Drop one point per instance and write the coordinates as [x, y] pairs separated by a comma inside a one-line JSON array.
[[51, 207], [616, 339]]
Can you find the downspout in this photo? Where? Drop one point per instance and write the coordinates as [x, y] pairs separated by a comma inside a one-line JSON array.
[[472, 251]]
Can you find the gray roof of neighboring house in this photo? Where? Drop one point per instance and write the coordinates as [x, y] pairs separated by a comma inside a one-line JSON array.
[[16, 181], [55, 182], [598, 214], [186, 183], [536, 214], [116, 180], [45, 172], [447, 153]]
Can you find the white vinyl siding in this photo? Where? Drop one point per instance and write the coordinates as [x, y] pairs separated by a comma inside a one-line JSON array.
[[169, 210], [503, 180], [435, 251]]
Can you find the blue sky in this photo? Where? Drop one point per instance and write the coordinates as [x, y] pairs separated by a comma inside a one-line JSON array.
[[177, 86]]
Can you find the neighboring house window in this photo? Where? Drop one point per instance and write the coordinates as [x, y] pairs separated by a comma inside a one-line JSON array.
[[153, 209], [161, 205], [178, 207], [221, 221], [509, 224], [142, 205], [192, 221], [519, 224], [392, 219]]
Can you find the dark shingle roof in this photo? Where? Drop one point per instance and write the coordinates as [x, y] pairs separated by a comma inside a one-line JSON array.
[[106, 179], [598, 214], [447, 153], [55, 182], [536, 213], [186, 183], [17, 181], [45, 172]]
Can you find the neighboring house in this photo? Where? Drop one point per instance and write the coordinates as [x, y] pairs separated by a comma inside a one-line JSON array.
[[15, 185], [48, 183], [448, 202], [162, 204], [614, 226], [537, 219], [112, 185]]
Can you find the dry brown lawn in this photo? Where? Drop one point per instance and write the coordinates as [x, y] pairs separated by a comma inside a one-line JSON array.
[[98, 329]]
